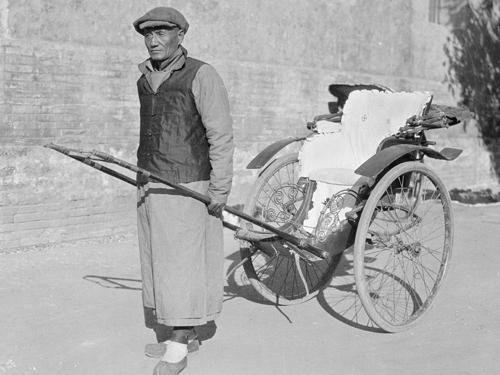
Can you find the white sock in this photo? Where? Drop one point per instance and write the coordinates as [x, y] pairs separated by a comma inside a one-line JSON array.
[[175, 352]]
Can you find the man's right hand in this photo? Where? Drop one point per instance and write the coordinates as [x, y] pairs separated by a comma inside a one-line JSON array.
[[216, 208]]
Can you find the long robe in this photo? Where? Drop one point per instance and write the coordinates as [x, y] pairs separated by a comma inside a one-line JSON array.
[[181, 253]]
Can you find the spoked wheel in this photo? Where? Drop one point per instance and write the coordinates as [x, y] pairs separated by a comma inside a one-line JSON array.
[[403, 245], [283, 274]]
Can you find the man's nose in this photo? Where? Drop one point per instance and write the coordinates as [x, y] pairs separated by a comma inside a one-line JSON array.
[[153, 41]]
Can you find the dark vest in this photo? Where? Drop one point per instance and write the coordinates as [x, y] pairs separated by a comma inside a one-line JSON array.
[[173, 142]]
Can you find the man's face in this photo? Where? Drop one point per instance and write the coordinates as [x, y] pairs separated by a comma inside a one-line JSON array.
[[162, 42]]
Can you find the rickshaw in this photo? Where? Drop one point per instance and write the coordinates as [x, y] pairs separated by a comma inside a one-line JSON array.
[[358, 180], [394, 210]]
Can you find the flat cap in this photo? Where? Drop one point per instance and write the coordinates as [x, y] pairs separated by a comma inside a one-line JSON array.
[[161, 16]]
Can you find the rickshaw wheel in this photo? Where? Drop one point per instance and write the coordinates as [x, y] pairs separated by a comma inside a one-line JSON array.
[[275, 198], [403, 246]]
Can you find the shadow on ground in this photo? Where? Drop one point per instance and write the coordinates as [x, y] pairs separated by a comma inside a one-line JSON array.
[[339, 299], [238, 284], [114, 282]]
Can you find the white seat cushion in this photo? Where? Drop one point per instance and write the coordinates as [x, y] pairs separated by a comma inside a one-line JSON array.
[[370, 116], [330, 158]]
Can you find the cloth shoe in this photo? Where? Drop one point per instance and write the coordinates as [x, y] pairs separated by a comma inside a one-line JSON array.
[[167, 368]]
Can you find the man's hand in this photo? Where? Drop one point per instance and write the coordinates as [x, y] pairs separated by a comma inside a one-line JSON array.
[[215, 208]]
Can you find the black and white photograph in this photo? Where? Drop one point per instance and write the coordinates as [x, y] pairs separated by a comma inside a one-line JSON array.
[[249, 187]]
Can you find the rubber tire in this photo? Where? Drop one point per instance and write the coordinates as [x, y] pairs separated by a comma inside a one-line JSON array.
[[248, 266], [362, 230]]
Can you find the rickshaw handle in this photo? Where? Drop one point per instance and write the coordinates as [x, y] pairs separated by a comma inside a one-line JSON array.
[[302, 243]]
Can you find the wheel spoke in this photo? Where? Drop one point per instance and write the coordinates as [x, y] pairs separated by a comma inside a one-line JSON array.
[[407, 216], [276, 199]]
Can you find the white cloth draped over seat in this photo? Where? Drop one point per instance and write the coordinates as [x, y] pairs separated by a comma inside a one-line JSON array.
[[369, 116]]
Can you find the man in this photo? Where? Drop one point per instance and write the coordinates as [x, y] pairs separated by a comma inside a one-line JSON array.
[[185, 137]]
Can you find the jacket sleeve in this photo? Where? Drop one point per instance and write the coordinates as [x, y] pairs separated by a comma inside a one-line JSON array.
[[213, 105]]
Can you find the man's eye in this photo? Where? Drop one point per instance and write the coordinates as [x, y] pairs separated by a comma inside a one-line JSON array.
[[161, 33]]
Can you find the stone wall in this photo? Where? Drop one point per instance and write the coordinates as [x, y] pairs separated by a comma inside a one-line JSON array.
[[68, 70]]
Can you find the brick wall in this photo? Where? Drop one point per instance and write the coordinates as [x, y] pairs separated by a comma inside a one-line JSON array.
[[68, 72]]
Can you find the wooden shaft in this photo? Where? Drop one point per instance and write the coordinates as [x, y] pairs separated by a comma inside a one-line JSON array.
[[84, 157]]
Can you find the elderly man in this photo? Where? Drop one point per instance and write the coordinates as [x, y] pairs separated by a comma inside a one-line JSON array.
[[185, 137]]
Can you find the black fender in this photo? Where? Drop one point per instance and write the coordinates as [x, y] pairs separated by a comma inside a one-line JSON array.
[[382, 159], [265, 155]]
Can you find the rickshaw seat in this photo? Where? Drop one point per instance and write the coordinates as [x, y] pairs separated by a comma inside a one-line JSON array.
[[369, 116]]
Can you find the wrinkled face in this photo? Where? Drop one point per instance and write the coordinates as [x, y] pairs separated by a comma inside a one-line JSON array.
[[162, 42]]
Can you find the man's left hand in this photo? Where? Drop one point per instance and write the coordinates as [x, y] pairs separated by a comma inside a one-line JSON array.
[[216, 208]]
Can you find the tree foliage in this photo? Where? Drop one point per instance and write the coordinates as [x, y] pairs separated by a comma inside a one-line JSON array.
[[473, 51]]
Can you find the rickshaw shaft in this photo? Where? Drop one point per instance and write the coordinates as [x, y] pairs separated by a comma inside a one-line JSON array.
[[86, 158]]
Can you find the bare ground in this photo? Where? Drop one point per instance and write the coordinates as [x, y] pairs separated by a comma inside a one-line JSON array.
[[76, 309]]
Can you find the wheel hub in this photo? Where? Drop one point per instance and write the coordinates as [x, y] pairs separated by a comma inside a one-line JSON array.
[[412, 249]]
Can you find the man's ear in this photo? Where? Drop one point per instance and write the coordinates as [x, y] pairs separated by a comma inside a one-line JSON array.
[[180, 36]]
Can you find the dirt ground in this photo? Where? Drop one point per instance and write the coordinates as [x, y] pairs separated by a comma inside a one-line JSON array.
[[76, 309]]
